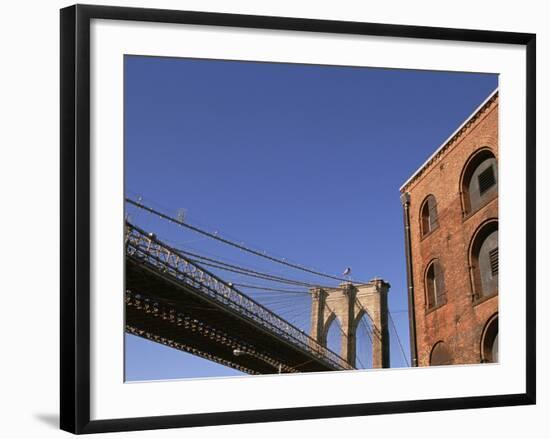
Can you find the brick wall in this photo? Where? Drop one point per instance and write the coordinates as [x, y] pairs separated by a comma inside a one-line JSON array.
[[459, 322]]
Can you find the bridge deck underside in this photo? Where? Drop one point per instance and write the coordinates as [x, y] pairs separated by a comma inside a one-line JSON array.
[[179, 316]]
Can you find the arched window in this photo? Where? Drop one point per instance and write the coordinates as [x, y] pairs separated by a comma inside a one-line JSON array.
[[435, 285], [428, 215], [489, 341], [484, 260], [440, 355], [479, 181]]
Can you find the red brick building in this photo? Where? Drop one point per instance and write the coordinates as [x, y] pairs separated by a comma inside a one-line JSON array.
[[451, 225]]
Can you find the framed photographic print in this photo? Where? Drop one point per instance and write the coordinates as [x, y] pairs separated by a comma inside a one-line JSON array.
[[268, 218]]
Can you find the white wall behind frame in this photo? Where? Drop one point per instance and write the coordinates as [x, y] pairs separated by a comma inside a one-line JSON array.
[[28, 177]]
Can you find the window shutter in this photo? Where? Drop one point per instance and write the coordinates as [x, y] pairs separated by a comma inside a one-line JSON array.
[[425, 214], [486, 180], [432, 208], [493, 260], [439, 283], [430, 286]]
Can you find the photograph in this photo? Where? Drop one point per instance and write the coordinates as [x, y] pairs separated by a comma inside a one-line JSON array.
[[287, 218]]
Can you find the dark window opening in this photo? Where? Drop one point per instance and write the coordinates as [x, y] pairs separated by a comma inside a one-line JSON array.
[[489, 342], [440, 355]]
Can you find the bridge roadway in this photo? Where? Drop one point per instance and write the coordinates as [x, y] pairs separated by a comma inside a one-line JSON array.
[[173, 301]]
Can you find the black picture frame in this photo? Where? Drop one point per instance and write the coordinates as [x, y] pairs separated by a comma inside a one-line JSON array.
[[75, 217]]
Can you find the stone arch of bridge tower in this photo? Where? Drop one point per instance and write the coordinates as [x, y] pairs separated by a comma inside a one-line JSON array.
[[363, 314], [349, 303], [367, 340], [331, 319]]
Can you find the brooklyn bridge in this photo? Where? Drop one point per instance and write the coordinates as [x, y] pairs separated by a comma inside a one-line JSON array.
[[173, 299]]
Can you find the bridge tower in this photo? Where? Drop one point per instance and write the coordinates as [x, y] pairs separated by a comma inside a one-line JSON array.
[[349, 303]]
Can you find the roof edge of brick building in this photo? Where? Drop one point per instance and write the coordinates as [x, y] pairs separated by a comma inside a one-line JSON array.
[[451, 139]]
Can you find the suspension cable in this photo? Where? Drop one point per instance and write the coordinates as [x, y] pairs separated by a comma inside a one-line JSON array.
[[369, 316], [398, 339], [245, 272], [259, 287], [231, 243], [242, 270]]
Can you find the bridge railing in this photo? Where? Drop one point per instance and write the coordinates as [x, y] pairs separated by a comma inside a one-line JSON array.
[[147, 248]]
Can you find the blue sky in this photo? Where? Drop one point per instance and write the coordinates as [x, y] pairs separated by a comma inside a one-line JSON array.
[[304, 162]]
